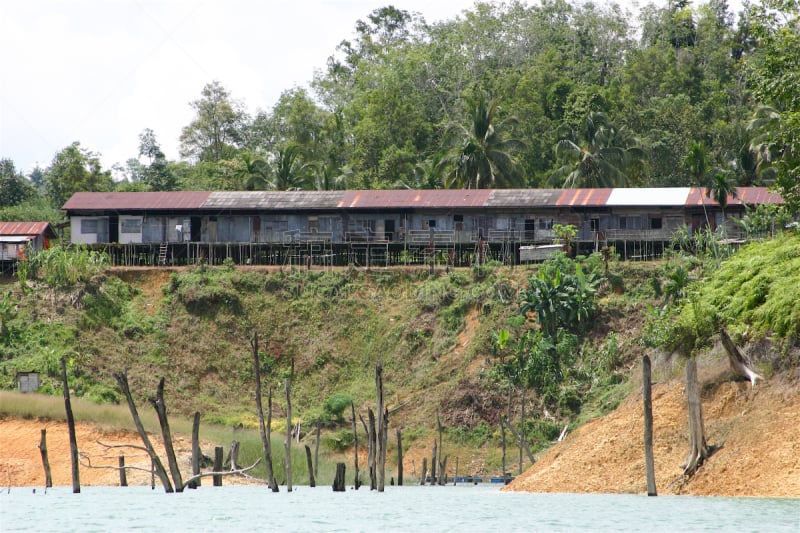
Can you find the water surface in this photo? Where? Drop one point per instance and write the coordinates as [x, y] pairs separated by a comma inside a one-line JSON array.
[[462, 508]]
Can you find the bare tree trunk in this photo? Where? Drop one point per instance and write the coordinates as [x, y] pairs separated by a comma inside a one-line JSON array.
[[424, 470], [503, 444], [311, 481], [699, 450], [288, 460], [373, 477], [161, 411], [316, 450], [338, 480], [520, 438], [381, 429], [440, 448], [399, 459], [434, 460], [48, 478], [233, 454], [123, 477], [443, 471], [158, 467], [264, 429], [356, 482], [218, 465], [73, 441], [523, 445], [737, 360], [647, 394], [195, 451]]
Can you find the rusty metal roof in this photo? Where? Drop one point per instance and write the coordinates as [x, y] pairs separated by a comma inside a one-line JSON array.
[[405, 199], [415, 199], [277, 200], [744, 195], [27, 229], [523, 198], [98, 201], [583, 197]]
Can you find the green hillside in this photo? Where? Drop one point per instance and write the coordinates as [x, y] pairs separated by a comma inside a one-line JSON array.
[[464, 344]]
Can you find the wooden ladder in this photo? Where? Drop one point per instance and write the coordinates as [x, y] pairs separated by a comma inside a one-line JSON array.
[[162, 253]]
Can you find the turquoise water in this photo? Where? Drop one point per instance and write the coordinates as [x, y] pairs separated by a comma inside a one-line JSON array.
[[441, 509]]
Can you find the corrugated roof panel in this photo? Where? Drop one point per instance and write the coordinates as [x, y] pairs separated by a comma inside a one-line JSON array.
[[415, 199], [512, 198], [584, 197], [90, 201], [276, 200], [25, 228], [744, 195], [645, 196]]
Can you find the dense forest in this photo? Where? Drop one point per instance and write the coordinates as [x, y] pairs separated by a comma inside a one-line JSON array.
[[513, 94]]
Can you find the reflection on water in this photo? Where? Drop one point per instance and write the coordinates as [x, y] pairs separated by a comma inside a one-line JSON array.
[[465, 508]]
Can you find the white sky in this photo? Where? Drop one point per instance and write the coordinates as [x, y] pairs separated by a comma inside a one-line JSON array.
[[101, 71]]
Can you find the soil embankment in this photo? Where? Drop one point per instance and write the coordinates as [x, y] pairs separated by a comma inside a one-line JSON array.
[[756, 429]]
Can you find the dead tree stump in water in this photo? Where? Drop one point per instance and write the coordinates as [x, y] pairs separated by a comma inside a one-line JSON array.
[[647, 394], [424, 470], [399, 459], [233, 454], [73, 441], [311, 481], [123, 476], [48, 478], [699, 450], [217, 466], [263, 428], [161, 410], [434, 458], [195, 451], [338, 480], [356, 481]]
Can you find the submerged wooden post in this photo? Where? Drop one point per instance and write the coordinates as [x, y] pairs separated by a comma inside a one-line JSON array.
[[647, 393], [380, 450], [217, 466], [123, 477], [195, 451], [48, 478], [434, 457], [338, 480], [424, 470], [263, 428], [311, 481], [73, 441], [399, 459], [356, 481], [288, 460]]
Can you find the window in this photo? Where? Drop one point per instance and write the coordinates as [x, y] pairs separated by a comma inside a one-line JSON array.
[[130, 225], [655, 223], [546, 223], [594, 224], [458, 218], [631, 222], [432, 223], [88, 225]]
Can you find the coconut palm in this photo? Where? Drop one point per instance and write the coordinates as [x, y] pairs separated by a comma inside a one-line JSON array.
[[289, 172], [600, 155], [477, 155], [251, 172]]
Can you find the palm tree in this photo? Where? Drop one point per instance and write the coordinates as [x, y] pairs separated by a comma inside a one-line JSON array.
[[289, 172], [424, 175], [477, 155], [601, 155], [720, 189], [251, 172], [766, 148]]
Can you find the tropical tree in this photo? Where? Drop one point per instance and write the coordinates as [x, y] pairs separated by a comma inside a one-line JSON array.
[[250, 172], [477, 155], [14, 187], [289, 172], [217, 129], [157, 175], [75, 169], [600, 155]]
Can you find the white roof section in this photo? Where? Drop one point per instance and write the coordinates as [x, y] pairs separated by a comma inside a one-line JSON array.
[[663, 196]]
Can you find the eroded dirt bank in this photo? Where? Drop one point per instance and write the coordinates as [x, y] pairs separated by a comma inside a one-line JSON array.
[[758, 430]]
